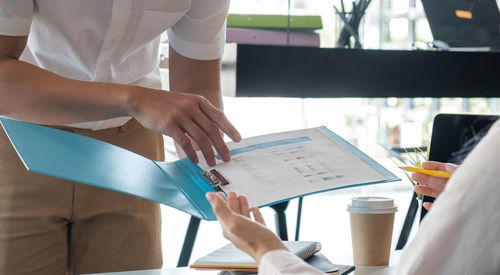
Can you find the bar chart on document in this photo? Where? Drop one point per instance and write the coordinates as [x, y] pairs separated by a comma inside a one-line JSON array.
[[280, 166]]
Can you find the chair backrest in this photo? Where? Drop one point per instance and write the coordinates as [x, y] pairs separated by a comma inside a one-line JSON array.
[[454, 136]]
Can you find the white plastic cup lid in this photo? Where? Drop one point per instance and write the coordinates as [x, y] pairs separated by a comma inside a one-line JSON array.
[[372, 205]]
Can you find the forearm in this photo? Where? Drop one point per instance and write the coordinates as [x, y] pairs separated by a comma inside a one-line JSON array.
[[35, 95], [195, 77]]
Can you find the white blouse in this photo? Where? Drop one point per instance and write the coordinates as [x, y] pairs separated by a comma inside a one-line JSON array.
[[461, 233], [113, 41], [283, 262]]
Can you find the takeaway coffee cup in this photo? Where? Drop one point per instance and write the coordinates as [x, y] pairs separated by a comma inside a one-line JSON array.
[[372, 219]]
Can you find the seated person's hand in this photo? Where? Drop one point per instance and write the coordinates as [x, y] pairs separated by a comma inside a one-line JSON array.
[[432, 186], [253, 237]]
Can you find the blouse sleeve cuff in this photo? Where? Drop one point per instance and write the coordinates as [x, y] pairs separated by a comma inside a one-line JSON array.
[[201, 51], [274, 261], [15, 26]]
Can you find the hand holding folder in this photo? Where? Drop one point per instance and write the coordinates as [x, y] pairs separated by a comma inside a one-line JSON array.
[[267, 169], [251, 240], [252, 237]]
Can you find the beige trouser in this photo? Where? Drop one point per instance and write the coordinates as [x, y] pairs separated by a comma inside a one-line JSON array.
[[53, 226]]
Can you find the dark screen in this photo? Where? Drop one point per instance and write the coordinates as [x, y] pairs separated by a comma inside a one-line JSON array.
[[454, 136], [480, 31]]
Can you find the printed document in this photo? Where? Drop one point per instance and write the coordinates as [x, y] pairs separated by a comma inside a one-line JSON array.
[[280, 166]]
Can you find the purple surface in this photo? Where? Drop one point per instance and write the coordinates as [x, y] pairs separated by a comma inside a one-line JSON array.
[[271, 37]]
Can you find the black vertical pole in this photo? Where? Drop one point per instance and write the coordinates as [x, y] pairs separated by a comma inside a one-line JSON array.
[[187, 247]]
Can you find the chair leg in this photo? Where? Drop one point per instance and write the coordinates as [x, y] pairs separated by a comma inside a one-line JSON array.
[[299, 215], [280, 218], [424, 211], [408, 223], [187, 247]]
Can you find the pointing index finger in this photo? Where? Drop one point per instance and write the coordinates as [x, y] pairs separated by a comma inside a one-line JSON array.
[[221, 120]]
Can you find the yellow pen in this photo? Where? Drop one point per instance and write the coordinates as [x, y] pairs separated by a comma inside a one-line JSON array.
[[429, 172]]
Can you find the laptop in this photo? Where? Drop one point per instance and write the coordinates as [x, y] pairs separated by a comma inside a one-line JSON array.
[[454, 136], [464, 23]]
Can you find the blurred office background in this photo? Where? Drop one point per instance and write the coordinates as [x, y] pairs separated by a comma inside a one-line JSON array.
[[372, 124]]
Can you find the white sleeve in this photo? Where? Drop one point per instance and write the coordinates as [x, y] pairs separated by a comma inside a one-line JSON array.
[[15, 17], [282, 262], [460, 235], [201, 32]]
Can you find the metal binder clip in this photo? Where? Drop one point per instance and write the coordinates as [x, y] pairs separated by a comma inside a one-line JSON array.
[[215, 179]]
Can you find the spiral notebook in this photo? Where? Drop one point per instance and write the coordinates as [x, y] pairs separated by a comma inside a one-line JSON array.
[[232, 258], [266, 169]]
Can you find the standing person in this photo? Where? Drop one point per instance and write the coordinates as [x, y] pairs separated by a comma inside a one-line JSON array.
[[91, 67]]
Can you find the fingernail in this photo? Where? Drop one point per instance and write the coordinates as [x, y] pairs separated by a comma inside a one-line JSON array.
[[210, 197], [237, 137]]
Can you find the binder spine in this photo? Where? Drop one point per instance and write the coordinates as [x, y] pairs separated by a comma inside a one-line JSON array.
[[215, 179]]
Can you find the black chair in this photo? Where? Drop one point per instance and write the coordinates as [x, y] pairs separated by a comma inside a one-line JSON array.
[[453, 137]]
